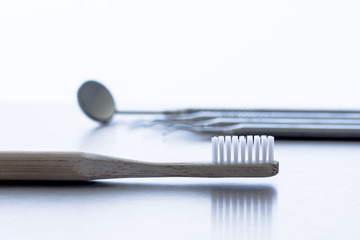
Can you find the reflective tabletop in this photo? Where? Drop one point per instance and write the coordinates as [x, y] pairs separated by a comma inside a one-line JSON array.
[[315, 195]]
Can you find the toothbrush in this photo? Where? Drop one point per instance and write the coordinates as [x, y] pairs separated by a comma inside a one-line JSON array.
[[232, 157]]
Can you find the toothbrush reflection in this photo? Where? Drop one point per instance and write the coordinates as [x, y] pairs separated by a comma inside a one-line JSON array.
[[161, 208], [243, 213]]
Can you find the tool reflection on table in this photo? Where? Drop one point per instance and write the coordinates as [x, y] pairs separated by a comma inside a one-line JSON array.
[[97, 103]]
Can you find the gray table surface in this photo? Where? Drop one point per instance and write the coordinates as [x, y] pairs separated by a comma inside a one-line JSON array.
[[315, 195]]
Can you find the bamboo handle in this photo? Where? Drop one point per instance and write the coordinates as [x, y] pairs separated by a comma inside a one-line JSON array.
[[71, 166]]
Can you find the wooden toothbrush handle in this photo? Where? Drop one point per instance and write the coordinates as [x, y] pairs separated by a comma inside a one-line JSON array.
[[60, 166], [40, 166], [122, 168], [74, 166]]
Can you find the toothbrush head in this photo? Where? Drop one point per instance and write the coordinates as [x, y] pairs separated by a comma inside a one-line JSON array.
[[247, 156], [242, 150]]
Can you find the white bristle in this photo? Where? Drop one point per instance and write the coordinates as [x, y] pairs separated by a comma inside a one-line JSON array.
[[228, 149], [235, 143], [242, 150], [221, 150], [215, 152], [249, 148], [264, 147], [271, 148], [256, 149]]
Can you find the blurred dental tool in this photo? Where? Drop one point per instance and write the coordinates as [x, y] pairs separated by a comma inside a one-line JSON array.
[[98, 104]]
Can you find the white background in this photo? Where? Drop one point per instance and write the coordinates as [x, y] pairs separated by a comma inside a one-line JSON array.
[[170, 54], [174, 54]]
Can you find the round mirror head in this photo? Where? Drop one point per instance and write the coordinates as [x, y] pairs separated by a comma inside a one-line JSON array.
[[96, 101]]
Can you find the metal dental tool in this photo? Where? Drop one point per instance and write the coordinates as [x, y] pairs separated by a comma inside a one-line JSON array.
[[97, 103]]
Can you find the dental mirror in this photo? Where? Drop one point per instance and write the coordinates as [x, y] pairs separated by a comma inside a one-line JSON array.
[[98, 104], [96, 101]]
